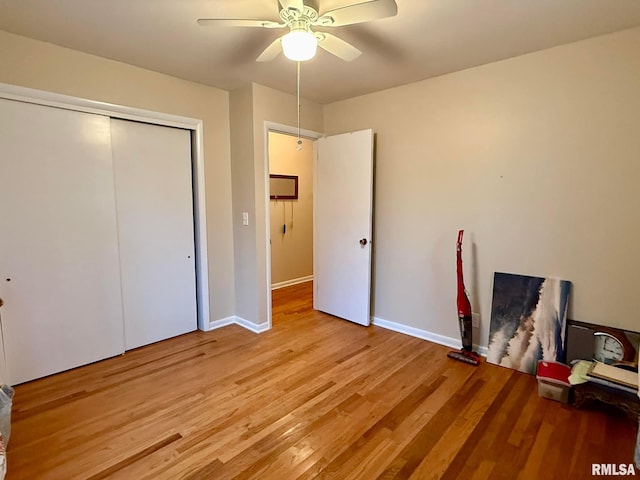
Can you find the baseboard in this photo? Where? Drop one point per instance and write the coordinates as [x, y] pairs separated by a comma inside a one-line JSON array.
[[293, 281], [254, 327], [379, 322], [235, 320], [223, 322], [425, 335]]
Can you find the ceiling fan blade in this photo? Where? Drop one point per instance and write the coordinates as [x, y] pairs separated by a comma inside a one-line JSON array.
[[358, 12], [292, 4], [337, 47], [238, 22], [271, 52]]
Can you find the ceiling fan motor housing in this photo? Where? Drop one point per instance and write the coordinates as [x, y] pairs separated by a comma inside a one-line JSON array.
[[291, 16], [301, 25]]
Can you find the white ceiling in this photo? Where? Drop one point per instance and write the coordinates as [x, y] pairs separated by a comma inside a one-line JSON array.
[[427, 38]]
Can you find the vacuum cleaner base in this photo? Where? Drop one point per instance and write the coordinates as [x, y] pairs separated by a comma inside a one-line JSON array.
[[462, 355]]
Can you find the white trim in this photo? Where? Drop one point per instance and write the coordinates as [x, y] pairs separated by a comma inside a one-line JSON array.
[[67, 102], [290, 130], [200, 224], [293, 281], [235, 320], [223, 322], [254, 327], [40, 97], [287, 130], [315, 215], [425, 335]]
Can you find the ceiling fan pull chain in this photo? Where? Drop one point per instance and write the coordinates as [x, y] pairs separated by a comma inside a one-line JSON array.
[[299, 142]]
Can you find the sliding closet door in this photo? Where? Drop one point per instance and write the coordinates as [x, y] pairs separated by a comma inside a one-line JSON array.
[[59, 270], [152, 166]]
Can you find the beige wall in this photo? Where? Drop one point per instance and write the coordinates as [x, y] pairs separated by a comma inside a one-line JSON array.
[[244, 200], [44, 66], [536, 157], [251, 243], [292, 251], [274, 106]]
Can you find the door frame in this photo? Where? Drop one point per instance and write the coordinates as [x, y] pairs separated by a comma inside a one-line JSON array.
[[292, 131], [67, 102]]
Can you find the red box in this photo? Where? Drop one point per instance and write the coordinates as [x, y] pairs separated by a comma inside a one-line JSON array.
[[553, 380]]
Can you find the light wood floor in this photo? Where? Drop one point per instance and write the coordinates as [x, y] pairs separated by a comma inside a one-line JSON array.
[[315, 397]]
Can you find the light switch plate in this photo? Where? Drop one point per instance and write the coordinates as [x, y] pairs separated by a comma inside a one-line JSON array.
[[245, 218]]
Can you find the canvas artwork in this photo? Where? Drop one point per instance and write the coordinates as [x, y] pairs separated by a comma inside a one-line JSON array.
[[528, 321]]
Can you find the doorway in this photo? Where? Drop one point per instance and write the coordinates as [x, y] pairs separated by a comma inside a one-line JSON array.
[[290, 221], [342, 231]]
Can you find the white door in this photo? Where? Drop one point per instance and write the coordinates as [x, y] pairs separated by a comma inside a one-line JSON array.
[[154, 199], [343, 215], [59, 271]]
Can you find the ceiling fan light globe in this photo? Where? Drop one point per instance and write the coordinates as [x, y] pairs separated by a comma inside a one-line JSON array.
[[299, 45]]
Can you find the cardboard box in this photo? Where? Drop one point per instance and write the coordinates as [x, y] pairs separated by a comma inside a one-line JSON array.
[[553, 380], [554, 391]]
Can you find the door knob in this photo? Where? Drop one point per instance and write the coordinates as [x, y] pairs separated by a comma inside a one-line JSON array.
[[363, 241]]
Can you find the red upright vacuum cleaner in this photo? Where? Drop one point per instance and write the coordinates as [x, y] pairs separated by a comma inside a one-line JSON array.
[[466, 353]]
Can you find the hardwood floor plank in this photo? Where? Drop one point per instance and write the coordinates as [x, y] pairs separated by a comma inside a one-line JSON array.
[[404, 434], [483, 472], [315, 397], [385, 413], [350, 457], [505, 455], [535, 465], [135, 457], [464, 457], [427, 437], [438, 459], [212, 470], [19, 415], [353, 354]]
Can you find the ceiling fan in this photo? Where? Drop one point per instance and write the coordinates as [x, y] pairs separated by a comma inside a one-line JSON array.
[[301, 42]]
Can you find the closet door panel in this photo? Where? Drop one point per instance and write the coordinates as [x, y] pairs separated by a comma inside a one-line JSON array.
[[152, 166], [59, 270]]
